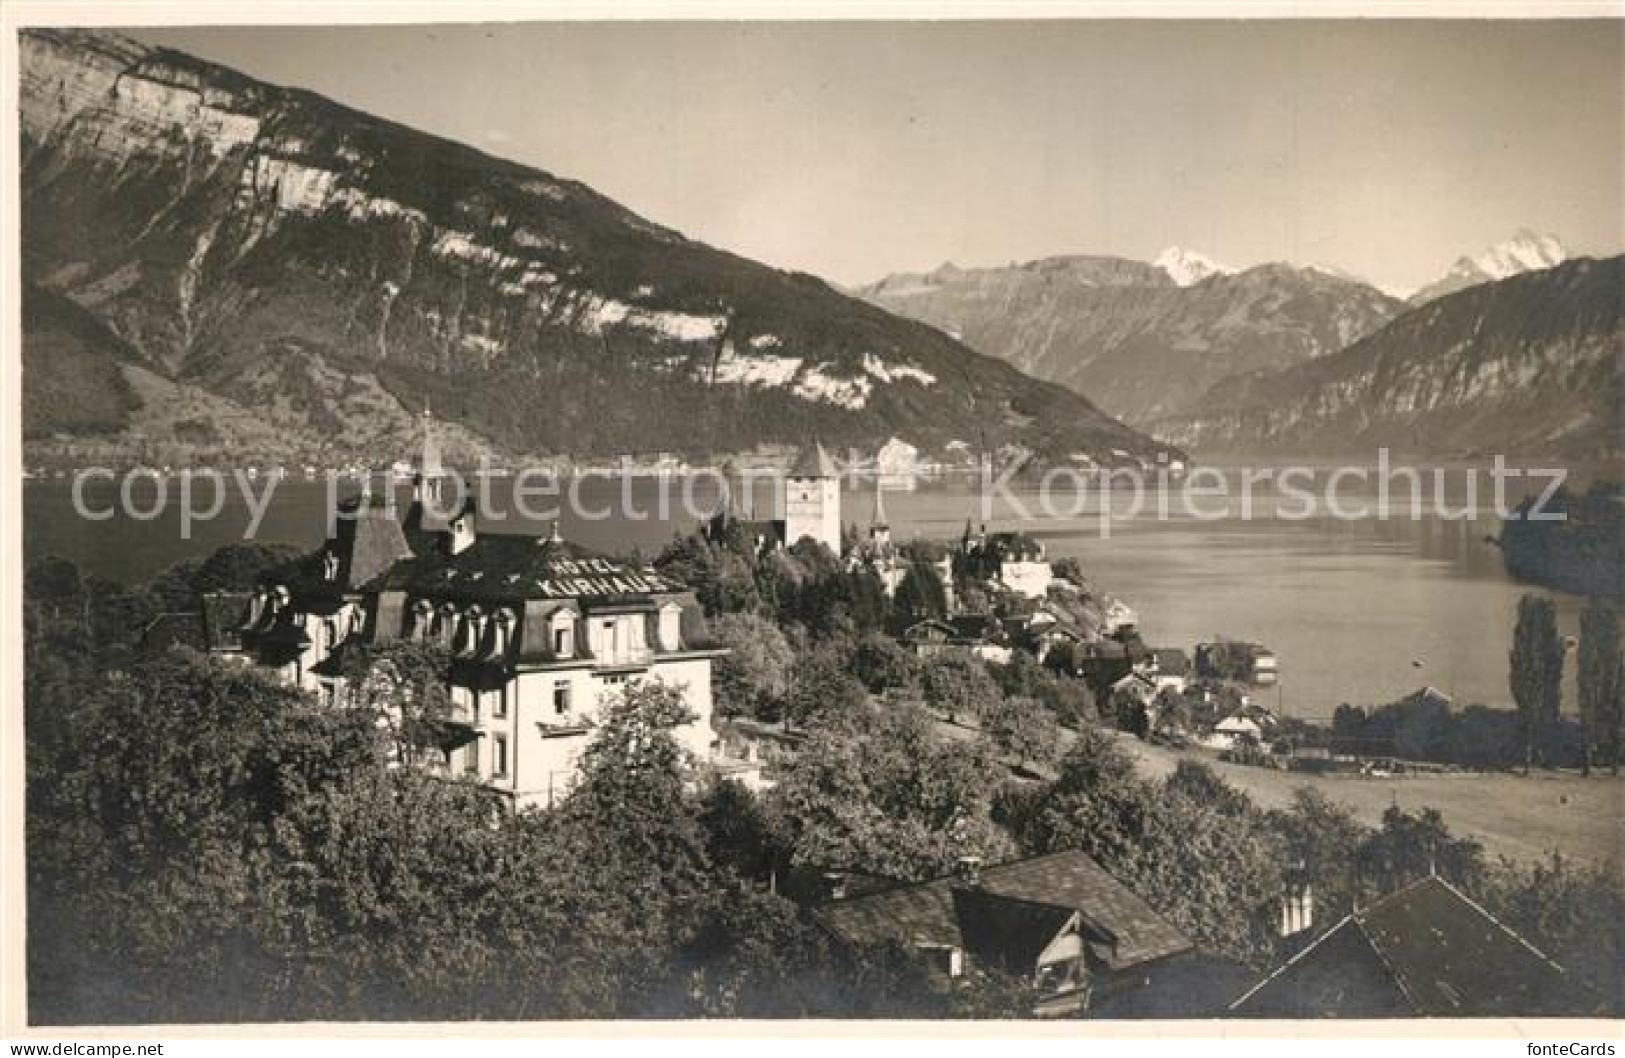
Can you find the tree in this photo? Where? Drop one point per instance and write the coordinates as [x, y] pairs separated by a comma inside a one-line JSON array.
[[1173, 714], [1599, 687], [722, 576], [884, 665], [823, 690], [753, 677], [153, 893], [956, 683], [1021, 729], [736, 832], [1408, 847], [1573, 911], [405, 688], [1536, 671], [920, 594], [1322, 841]]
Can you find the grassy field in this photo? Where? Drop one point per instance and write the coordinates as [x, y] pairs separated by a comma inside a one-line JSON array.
[[1516, 817]]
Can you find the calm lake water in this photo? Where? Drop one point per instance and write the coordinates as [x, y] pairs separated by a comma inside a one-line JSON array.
[[1357, 611]]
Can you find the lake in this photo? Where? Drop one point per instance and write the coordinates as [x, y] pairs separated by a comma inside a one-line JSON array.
[[1358, 611]]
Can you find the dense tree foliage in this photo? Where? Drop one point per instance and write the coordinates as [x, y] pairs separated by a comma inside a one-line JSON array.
[[754, 676], [883, 793], [1022, 730], [1419, 728], [957, 685]]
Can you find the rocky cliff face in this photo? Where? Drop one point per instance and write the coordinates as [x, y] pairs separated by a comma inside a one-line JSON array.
[[280, 260], [1529, 366], [1144, 341]]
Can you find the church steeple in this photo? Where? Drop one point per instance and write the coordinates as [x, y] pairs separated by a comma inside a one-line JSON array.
[[879, 526], [428, 513]]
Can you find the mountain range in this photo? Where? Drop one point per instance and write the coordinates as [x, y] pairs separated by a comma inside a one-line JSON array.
[[219, 268], [1525, 366], [1146, 341]]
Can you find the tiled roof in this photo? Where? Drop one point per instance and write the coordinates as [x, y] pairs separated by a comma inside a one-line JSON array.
[[1072, 879], [813, 462], [1425, 950], [1010, 906], [914, 914]]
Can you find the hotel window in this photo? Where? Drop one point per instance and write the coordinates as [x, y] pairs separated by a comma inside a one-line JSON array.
[[499, 757], [563, 644], [611, 647], [471, 758], [500, 709], [561, 698]]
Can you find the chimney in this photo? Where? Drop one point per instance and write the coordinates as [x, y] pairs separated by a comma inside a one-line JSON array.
[[969, 870]]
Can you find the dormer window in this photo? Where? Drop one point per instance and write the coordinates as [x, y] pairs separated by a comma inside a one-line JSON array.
[[671, 628], [445, 625], [563, 635], [422, 620], [502, 632], [470, 631], [330, 566]]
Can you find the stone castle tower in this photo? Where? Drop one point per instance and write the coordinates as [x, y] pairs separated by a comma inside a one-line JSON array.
[[812, 499]]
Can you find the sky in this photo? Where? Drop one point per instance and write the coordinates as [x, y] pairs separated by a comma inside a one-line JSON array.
[[852, 150]]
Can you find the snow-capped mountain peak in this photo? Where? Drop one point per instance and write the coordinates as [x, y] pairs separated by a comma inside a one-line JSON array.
[[1524, 252], [1187, 267]]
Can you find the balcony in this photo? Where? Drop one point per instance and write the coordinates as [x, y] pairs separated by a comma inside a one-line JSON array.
[[624, 658]]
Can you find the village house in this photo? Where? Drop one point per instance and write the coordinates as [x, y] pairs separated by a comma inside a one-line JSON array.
[[1118, 618], [540, 631], [1251, 725], [981, 634], [1081, 936], [1012, 562], [1227, 659], [1170, 669], [751, 751], [1427, 950]]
